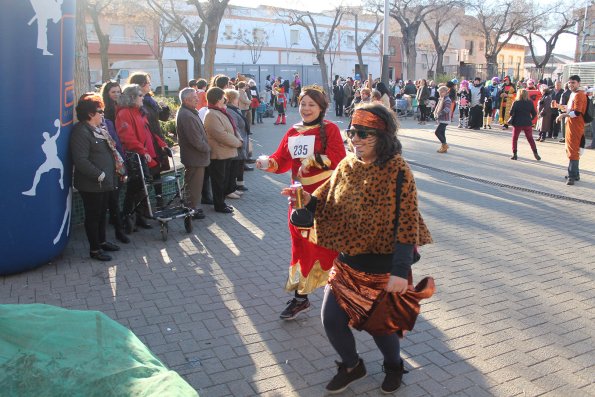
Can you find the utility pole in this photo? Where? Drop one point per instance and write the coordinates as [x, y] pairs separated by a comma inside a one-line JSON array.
[[385, 53]]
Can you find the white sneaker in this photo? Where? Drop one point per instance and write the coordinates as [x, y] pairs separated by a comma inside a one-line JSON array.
[[239, 192], [233, 196]]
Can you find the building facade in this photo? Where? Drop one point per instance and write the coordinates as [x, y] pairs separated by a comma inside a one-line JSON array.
[[585, 40]]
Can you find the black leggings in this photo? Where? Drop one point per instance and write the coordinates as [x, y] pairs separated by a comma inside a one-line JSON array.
[[95, 204], [336, 326], [441, 132], [423, 111]]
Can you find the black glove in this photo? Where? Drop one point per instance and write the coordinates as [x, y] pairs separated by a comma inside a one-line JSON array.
[[302, 218]]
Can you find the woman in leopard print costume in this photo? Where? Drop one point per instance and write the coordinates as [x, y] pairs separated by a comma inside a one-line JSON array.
[[355, 213]]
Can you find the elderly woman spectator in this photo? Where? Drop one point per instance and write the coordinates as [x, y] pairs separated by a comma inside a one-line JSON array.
[[244, 100], [110, 92], [368, 212], [154, 112], [385, 95], [133, 130], [521, 118], [224, 142], [544, 114], [97, 169], [243, 128]]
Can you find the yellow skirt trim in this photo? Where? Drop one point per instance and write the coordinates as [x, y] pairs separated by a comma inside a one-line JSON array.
[[304, 285]]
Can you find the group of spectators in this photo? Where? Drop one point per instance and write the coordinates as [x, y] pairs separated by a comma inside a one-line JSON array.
[[119, 139], [349, 94], [118, 135]]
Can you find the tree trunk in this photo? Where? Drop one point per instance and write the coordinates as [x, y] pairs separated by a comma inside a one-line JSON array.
[[81, 65], [439, 62], [411, 52], [492, 65], [160, 65], [409, 35], [323, 73], [103, 51], [360, 61], [210, 50]]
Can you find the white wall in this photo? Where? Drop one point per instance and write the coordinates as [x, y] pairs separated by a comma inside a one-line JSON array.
[[280, 49]]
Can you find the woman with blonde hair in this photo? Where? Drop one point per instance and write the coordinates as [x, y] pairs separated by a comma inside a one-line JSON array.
[[521, 118]]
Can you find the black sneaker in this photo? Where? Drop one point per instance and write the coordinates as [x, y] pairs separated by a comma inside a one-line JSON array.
[[100, 256], [295, 307], [394, 375], [107, 246], [344, 378]]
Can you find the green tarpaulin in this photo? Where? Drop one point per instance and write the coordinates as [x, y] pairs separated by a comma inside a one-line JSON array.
[[47, 351]]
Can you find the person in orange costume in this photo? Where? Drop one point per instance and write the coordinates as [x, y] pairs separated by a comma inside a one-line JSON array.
[[534, 95], [311, 150], [575, 127], [507, 98]]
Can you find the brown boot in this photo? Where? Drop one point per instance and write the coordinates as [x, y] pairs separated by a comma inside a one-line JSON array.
[[443, 148]]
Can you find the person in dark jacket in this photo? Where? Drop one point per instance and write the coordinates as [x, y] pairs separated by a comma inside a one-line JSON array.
[[338, 96], [195, 152], [556, 99], [521, 118], [97, 169], [564, 101], [423, 95], [110, 92], [544, 111], [242, 125], [154, 112]]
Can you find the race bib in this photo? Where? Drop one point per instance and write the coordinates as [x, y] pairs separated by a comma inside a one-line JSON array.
[[301, 146]]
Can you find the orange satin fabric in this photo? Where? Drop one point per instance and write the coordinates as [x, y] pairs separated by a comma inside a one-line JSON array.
[[370, 308]]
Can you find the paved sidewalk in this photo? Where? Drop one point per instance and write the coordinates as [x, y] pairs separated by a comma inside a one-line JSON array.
[[513, 314]]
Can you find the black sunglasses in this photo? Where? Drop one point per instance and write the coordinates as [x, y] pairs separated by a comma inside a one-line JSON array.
[[100, 111], [360, 132]]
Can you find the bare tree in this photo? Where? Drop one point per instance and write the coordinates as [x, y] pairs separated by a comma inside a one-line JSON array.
[[547, 30], [165, 33], [433, 23], [321, 40], [82, 79], [95, 9], [410, 14], [193, 29], [359, 45], [255, 40], [211, 13], [429, 56], [499, 22]]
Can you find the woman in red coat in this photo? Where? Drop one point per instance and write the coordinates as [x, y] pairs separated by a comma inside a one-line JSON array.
[[311, 150], [133, 129]]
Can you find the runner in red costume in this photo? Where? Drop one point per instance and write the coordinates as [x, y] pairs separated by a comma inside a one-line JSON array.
[[311, 150]]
